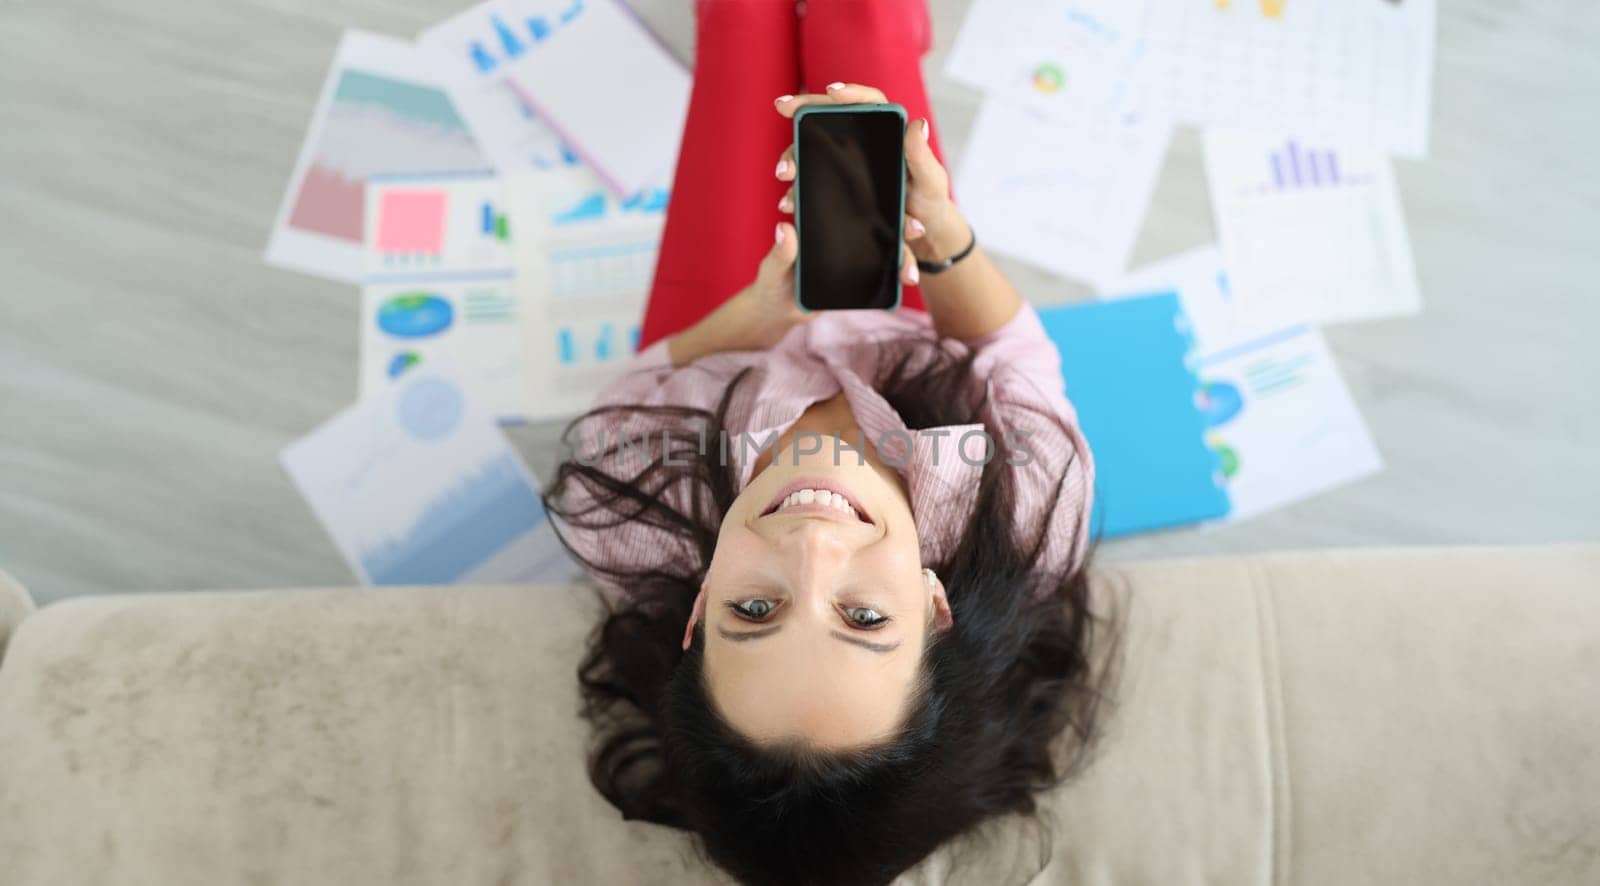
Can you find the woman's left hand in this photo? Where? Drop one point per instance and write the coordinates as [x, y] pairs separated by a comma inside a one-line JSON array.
[[756, 317]]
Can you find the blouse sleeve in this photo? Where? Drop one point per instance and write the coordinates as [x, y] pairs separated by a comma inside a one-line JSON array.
[[604, 448], [1028, 402], [643, 375]]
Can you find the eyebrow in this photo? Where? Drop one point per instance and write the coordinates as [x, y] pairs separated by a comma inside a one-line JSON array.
[[745, 636], [742, 636], [867, 644]]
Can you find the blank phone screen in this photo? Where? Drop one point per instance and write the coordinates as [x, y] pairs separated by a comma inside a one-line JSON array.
[[850, 189]]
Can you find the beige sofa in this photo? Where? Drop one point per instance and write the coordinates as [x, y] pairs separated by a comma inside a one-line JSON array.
[[1395, 717]]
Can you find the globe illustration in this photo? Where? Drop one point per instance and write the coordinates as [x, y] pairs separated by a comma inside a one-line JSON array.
[[415, 315], [431, 408]]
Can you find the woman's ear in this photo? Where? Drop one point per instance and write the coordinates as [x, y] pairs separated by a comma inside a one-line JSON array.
[[942, 619], [695, 614]]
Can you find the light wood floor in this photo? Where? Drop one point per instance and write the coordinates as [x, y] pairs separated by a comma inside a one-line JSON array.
[[151, 366]]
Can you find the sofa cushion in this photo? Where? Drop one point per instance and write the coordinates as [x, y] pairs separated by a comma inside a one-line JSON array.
[[15, 605], [1403, 716]]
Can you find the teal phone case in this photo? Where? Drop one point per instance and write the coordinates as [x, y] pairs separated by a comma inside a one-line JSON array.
[[809, 110]]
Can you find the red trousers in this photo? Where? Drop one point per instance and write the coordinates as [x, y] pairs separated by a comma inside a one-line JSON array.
[[724, 201]]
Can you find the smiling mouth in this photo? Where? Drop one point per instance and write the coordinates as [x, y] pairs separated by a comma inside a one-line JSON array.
[[817, 498]]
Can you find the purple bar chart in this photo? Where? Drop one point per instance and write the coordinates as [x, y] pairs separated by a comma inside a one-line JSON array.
[[1294, 167]]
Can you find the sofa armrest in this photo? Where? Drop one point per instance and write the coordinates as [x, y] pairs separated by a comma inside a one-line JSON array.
[[15, 604]]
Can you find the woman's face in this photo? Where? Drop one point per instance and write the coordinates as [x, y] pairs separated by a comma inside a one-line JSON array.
[[816, 614]]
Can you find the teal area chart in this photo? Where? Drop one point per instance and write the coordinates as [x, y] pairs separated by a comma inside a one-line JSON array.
[[376, 125]]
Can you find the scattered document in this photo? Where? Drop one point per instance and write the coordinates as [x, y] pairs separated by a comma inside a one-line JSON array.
[[377, 114], [583, 273], [1060, 59], [1282, 421], [586, 70], [1068, 197], [1199, 278], [417, 487], [1352, 72], [1309, 233], [1277, 411], [440, 287]]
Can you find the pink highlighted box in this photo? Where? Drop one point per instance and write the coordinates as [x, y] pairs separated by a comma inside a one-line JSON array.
[[412, 222]]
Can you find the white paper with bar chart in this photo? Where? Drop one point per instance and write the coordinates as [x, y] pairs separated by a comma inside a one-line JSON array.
[[1310, 232], [584, 269]]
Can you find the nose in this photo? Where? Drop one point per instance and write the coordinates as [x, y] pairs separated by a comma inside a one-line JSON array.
[[814, 553]]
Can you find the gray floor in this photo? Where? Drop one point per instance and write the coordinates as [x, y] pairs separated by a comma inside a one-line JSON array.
[[151, 366]]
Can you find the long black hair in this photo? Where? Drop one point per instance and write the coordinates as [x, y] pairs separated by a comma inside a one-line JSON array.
[[1007, 702]]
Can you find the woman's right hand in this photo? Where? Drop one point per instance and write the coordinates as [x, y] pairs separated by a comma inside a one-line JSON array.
[[934, 229], [756, 317]]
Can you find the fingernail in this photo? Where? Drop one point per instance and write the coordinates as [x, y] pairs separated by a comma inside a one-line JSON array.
[[783, 166], [783, 205], [782, 98], [916, 227], [914, 274], [924, 128], [777, 234], [835, 85]]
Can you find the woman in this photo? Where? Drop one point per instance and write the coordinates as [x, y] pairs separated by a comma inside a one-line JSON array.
[[836, 636]]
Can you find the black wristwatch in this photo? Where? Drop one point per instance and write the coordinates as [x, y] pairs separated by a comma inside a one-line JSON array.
[[939, 267]]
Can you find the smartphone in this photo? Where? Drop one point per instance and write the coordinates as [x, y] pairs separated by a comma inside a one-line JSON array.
[[849, 205]]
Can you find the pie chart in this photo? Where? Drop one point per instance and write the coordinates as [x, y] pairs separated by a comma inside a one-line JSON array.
[[403, 361], [1048, 79], [1220, 401], [415, 315]]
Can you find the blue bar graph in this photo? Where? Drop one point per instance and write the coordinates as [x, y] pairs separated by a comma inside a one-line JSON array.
[[511, 43], [508, 39], [482, 59], [492, 223]]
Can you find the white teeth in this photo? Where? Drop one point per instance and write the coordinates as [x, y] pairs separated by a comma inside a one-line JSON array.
[[818, 496]]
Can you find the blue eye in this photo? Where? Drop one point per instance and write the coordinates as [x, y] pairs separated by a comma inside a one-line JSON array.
[[754, 610], [862, 617]]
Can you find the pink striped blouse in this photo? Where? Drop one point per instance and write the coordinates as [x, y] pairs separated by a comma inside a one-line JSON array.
[[837, 352]]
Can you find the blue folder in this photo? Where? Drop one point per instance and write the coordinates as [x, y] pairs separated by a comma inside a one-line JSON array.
[[1127, 365]]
